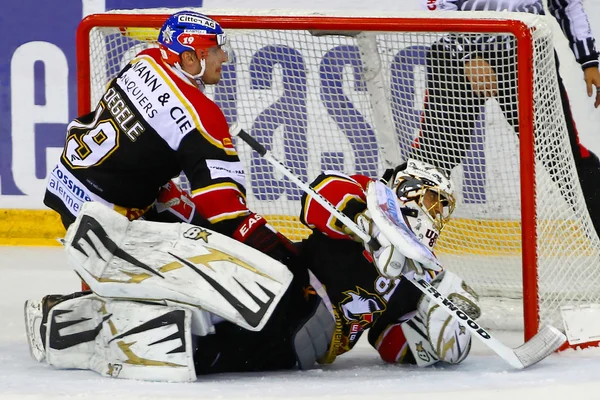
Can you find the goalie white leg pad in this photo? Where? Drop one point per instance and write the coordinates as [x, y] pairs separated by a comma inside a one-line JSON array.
[[178, 262], [415, 333], [121, 339], [449, 337]]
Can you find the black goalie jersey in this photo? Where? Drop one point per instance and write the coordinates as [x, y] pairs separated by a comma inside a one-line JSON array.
[[150, 124], [360, 297]]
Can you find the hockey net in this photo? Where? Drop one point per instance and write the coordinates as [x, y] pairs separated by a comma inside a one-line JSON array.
[[347, 94]]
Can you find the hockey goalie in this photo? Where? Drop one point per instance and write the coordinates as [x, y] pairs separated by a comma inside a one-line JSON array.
[[170, 301], [370, 290]]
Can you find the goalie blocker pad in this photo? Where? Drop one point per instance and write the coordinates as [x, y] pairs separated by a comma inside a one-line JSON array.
[[177, 262], [383, 206], [121, 339]]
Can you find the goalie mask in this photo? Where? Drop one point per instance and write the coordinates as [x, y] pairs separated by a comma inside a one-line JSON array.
[[428, 198]]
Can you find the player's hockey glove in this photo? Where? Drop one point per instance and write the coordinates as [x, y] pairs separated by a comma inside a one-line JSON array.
[[256, 232], [172, 199]]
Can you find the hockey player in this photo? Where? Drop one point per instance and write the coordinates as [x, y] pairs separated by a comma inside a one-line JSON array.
[[464, 70], [404, 326], [152, 122]]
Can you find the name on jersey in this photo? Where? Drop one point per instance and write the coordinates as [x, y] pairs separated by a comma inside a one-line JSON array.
[[181, 119], [122, 115], [147, 75]]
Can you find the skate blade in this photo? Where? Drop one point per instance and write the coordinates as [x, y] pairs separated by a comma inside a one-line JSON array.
[[33, 320]]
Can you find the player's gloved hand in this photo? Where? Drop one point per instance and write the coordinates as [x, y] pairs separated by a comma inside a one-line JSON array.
[[172, 198], [256, 232], [446, 334]]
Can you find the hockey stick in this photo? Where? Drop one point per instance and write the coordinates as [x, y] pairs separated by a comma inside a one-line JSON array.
[[544, 343]]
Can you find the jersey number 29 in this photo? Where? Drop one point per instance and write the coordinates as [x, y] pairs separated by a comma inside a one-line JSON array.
[[92, 147]]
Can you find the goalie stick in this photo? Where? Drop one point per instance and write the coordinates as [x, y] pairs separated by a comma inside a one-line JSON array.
[[544, 343]]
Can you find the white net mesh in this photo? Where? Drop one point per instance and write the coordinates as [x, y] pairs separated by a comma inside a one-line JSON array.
[[356, 104]]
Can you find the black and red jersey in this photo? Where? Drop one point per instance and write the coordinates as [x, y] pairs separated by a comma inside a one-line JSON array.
[[360, 297], [149, 125]]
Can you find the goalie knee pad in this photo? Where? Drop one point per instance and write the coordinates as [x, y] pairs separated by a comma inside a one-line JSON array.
[[449, 338], [120, 339], [313, 338]]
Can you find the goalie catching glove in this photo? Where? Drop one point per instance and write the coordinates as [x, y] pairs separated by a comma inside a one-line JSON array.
[[400, 251], [406, 217]]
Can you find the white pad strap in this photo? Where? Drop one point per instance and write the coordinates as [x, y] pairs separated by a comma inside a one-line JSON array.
[[121, 339], [178, 262]]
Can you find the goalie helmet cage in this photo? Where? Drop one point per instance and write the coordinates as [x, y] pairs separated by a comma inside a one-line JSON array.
[[347, 93]]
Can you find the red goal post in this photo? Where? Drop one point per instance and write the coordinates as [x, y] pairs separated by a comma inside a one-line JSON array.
[[288, 32]]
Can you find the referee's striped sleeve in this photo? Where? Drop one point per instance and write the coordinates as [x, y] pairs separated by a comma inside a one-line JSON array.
[[574, 23]]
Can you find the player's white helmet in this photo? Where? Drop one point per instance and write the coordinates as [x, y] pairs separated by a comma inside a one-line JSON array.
[[428, 198]]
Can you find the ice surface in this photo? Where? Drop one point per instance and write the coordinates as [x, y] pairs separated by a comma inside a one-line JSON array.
[[29, 272]]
